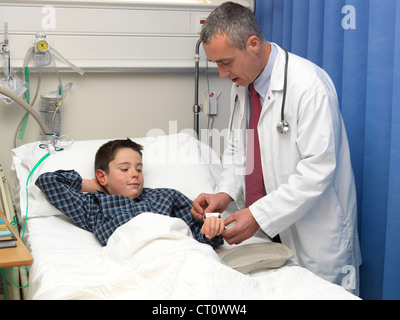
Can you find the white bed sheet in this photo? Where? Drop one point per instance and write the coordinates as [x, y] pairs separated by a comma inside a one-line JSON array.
[[151, 257]]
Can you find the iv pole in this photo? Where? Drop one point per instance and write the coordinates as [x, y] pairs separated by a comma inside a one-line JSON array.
[[196, 107]]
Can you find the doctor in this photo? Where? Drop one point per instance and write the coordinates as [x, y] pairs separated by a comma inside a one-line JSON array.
[[307, 194]]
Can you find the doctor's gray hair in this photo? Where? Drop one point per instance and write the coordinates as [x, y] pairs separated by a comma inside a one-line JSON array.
[[234, 20]]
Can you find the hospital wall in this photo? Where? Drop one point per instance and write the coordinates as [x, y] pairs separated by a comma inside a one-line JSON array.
[[113, 105]]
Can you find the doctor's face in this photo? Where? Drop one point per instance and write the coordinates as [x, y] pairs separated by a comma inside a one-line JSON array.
[[238, 65]]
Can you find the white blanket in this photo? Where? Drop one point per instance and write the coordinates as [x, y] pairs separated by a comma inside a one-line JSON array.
[[155, 257]]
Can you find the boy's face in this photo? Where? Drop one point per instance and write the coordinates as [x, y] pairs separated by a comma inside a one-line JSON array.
[[125, 175]]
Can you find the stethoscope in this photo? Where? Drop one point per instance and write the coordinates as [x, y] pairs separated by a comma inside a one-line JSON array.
[[283, 127]]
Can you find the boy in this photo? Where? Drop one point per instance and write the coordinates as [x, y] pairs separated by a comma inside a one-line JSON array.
[[117, 195]]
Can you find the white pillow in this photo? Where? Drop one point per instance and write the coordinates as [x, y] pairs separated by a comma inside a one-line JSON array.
[[176, 161]]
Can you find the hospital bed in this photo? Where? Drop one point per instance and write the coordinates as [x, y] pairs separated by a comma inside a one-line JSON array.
[[152, 256]]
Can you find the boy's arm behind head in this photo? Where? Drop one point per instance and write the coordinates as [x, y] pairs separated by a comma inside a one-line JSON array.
[[62, 189], [92, 185]]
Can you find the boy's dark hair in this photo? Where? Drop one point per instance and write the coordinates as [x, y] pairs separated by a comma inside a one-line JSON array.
[[107, 151]]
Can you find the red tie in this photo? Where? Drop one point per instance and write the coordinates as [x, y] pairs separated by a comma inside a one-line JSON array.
[[254, 177]]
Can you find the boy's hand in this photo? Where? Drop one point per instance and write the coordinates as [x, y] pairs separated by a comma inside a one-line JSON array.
[[213, 227], [91, 185]]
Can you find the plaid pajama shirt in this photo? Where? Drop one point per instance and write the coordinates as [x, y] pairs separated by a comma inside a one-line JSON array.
[[102, 213]]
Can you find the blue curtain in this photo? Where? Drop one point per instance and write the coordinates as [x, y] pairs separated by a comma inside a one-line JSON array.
[[358, 43]]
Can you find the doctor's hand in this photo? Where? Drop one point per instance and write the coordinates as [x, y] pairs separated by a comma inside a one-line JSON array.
[[206, 202], [246, 226]]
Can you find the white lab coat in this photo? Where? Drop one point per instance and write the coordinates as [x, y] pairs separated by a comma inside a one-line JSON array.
[[308, 178]]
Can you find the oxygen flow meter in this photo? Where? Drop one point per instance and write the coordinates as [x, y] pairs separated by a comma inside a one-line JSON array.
[[41, 43]]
